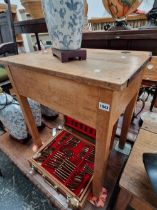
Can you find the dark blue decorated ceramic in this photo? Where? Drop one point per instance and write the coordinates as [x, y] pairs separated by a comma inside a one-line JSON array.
[[64, 20]]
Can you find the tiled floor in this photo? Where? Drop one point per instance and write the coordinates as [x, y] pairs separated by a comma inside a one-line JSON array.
[[17, 192]]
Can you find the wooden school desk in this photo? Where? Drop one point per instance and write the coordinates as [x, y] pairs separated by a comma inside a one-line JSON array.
[[95, 92], [136, 189], [150, 78]]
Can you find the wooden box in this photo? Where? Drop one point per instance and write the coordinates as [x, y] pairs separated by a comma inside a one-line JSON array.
[[66, 162]]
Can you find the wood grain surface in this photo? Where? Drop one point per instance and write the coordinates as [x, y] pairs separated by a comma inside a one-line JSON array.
[[78, 88], [150, 70], [104, 68], [134, 178], [77, 100]]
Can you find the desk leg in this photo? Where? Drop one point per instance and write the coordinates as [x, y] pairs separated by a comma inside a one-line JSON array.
[[104, 130], [27, 113], [154, 99], [0, 173], [124, 198], [30, 121], [38, 41], [113, 135], [127, 121]]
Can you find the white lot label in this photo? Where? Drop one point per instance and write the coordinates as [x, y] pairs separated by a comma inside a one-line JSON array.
[[105, 107]]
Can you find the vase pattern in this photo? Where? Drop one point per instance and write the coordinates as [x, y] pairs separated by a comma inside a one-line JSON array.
[[36, 111], [12, 117], [119, 9], [64, 19]]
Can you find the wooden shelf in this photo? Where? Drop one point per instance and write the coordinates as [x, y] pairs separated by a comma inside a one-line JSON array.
[[134, 20], [41, 34], [110, 19], [19, 41], [3, 7]]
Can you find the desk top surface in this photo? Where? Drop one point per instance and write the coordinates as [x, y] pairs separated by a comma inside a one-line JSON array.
[[134, 178], [110, 69]]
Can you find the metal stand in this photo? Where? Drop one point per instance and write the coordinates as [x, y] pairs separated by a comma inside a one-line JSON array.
[[154, 99], [120, 25], [152, 18], [1, 173], [38, 41]]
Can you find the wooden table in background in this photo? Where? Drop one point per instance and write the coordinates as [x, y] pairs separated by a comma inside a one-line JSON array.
[[150, 78], [143, 39], [95, 92], [35, 26], [136, 190]]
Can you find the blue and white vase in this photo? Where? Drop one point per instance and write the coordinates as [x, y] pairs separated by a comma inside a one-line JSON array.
[[12, 117], [36, 111], [64, 20]]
